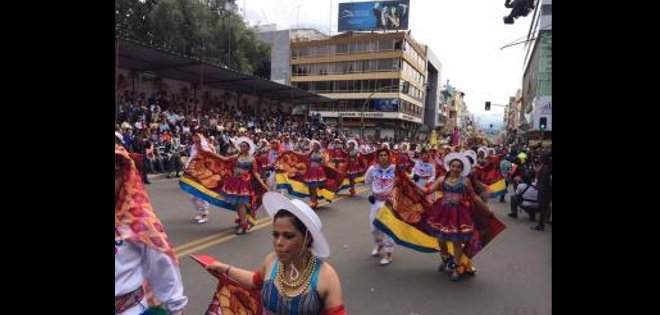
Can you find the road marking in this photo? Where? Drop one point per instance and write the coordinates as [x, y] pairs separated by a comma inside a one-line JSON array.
[[222, 237]]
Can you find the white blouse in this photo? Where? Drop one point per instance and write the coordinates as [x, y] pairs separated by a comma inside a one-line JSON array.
[[381, 180]]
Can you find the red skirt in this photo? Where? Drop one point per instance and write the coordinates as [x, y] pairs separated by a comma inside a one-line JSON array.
[[238, 189], [354, 169], [451, 222], [314, 174]]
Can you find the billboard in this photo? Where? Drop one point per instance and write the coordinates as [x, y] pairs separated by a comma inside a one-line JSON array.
[[387, 105], [373, 15]]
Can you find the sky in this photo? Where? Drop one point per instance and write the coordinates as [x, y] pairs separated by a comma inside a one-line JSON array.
[[465, 35]]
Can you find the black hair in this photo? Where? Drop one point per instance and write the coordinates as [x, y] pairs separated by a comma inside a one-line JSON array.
[[386, 150], [299, 225], [469, 159], [527, 178]]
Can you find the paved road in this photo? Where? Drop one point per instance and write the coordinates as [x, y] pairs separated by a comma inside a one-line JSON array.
[[514, 274]]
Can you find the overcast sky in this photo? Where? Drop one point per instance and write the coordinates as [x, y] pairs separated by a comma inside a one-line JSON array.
[[465, 35]]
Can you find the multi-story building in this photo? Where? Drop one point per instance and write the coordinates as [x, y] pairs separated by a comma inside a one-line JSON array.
[[382, 75], [280, 40], [537, 78], [433, 115]]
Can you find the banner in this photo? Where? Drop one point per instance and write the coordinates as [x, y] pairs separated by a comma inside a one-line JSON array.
[[373, 15]]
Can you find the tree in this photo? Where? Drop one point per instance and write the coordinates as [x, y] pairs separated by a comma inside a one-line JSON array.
[[200, 29]]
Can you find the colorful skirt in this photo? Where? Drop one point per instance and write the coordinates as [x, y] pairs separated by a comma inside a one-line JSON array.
[[315, 177], [353, 170], [451, 222], [238, 190]]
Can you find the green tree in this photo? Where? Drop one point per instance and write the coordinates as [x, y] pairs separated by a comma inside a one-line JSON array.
[[194, 28]]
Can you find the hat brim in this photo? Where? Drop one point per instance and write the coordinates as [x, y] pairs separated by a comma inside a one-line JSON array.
[[471, 154], [248, 141], [467, 166], [274, 202]]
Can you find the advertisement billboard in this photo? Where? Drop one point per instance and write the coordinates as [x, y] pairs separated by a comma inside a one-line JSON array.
[[373, 15], [387, 105]]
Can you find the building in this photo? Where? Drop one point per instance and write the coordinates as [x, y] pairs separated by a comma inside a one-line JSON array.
[[280, 40], [513, 116], [380, 74], [433, 114], [537, 78]]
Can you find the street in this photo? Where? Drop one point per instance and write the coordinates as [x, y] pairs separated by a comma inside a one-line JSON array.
[[514, 271]]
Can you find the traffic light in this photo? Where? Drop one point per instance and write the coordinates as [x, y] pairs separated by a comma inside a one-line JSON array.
[[543, 123], [487, 105]]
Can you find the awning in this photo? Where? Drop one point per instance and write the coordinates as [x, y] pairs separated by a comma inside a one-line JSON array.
[[143, 58]]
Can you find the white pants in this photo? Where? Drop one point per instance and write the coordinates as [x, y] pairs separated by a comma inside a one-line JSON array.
[[200, 204], [272, 182], [380, 238]]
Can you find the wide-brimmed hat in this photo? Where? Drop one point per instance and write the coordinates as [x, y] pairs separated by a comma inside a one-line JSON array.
[[467, 166], [313, 141], [471, 154], [274, 202], [353, 142], [247, 140]]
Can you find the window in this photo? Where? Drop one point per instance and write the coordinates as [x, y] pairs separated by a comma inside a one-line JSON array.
[[337, 85], [304, 52], [398, 44], [357, 47], [396, 64], [385, 44], [384, 64], [342, 49], [372, 46], [546, 9], [321, 51]]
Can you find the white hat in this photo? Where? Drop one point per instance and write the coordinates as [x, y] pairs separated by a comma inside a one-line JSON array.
[[472, 155], [385, 145], [461, 157], [274, 202], [240, 140], [406, 144], [484, 150], [313, 141], [352, 141]]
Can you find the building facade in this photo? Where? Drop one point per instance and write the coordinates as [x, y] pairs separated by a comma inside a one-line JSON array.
[[280, 40], [378, 81], [537, 78]]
